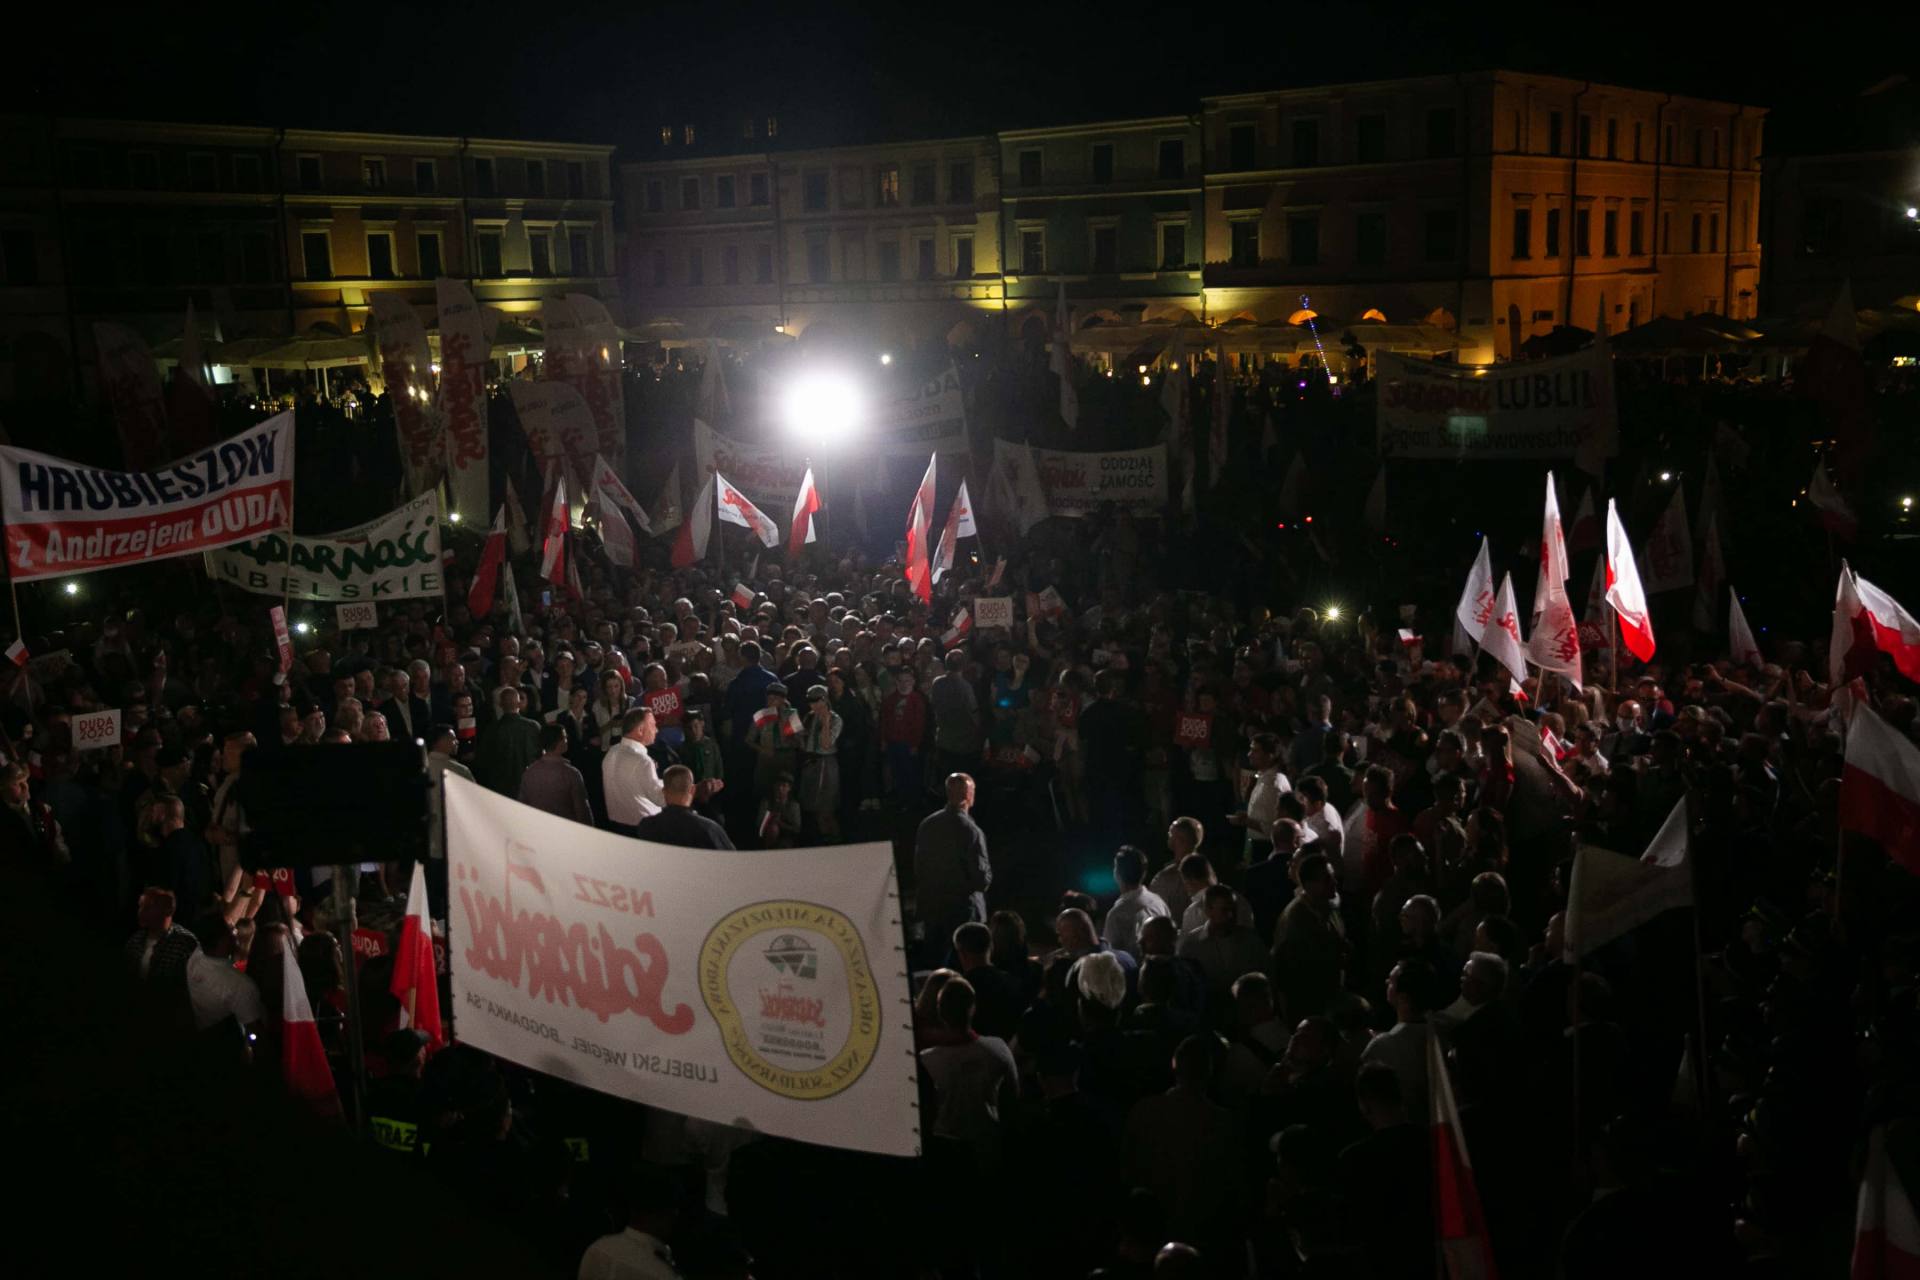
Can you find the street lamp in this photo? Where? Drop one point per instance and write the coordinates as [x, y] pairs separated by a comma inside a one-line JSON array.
[[824, 407]]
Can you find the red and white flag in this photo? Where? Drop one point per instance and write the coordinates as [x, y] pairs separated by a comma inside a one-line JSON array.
[[1712, 577], [616, 506], [804, 508], [1835, 514], [962, 627], [742, 596], [1624, 592], [1554, 572], [1555, 642], [1458, 1222], [1584, 533], [735, 508], [1867, 620], [1668, 552], [17, 653], [1500, 633], [696, 527], [487, 574], [414, 983], [920, 524], [959, 525], [1740, 642], [1886, 1230], [1061, 362], [553, 546], [303, 1059], [1880, 786], [1476, 602]]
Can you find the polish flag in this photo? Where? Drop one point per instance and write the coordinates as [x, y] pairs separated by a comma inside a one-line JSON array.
[[742, 595], [804, 508], [17, 653], [1740, 642], [1835, 514], [959, 525], [1880, 786], [735, 508], [962, 627], [553, 547], [1624, 593], [487, 575], [1866, 619], [690, 544], [1886, 1230], [1460, 1226], [1500, 632], [303, 1059], [414, 983], [1476, 602], [919, 524], [1584, 533]]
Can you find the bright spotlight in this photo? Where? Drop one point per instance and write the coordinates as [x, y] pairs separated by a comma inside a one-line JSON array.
[[1332, 612], [886, 357], [302, 627], [1666, 476], [454, 516], [73, 588], [1143, 368], [824, 408], [1913, 212]]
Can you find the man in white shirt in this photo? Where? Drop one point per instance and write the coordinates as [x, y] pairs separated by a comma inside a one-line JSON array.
[[1321, 820], [640, 1252], [214, 987], [632, 781], [1197, 876], [1403, 1046], [1263, 802], [1136, 904]]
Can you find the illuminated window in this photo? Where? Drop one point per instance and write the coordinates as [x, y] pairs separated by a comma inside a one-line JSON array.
[[687, 133], [773, 126], [888, 188], [427, 244], [666, 135], [373, 173]]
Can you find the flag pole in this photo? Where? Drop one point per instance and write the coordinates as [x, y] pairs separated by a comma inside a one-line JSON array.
[[20, 634]]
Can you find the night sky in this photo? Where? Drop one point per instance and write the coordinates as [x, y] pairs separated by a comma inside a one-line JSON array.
[[615, 73]]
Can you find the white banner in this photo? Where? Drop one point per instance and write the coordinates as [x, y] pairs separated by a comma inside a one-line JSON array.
[[556, 419], [764, 473], [406, 366], [763, 989], [927, 417], [396, 557], [95, 730], [1076, 483], [463, 398], [63, 517], [1557, 408]]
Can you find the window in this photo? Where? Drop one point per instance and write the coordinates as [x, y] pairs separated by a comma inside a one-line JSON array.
[[1586, 135], [763, 264], [579, 253], [1242, 142], [924, 267], [1030, 167], [379, 255], [960, 182], [1695, 239], [1440, 233], [488, 244], [426, 177], [1106, 249], [19, 259], [540, 254], [1303, 239], [887, 188], [926, 183], [1613, 138], [689, 193], [1173, 245], [666, 135], [1173, 158], [1582, 227], [746, 127], [773, 126], [723, 191], [309, 169], [1033, 251], [1553, 233], [536, 177], [853, 256], [757, 188], [1713, 233], [1103, 162], [1523, 233], [427, 244], [819, 269], [373, 173], [687, 133], [730, 264], [1370, 139], [696, 266], [814, 191], [962, 257], [203, 172], [1554, 123], [1441, 131], [1306, 143], [1637, 129], [317, 249], [656, 195], [889, 254], [246, 173], [256, 257], [659, 268], [483, 176], [143, 170], [577, 179], [1610, 233], [1636, 232], [1370, 239]]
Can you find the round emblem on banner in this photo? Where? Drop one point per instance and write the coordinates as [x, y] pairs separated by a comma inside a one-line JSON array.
[[798, 1007]]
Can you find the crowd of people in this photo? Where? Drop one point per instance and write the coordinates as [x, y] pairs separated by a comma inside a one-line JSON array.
[[1195, 879]]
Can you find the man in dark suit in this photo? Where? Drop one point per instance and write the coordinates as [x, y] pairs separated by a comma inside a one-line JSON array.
[[1267, 885], [409, 715], [1386, 1180], [677, 823]]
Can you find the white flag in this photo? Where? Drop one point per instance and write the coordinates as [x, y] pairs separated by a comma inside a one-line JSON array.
[[1739, 635], [1476, 602], [1555, 642], [1016, 482], [1500, 633], [1612, 894], [736, 509], [959, 525], [1624, 592], [1553, 553], [1062, 360], [1669, 549], [667, 514]]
